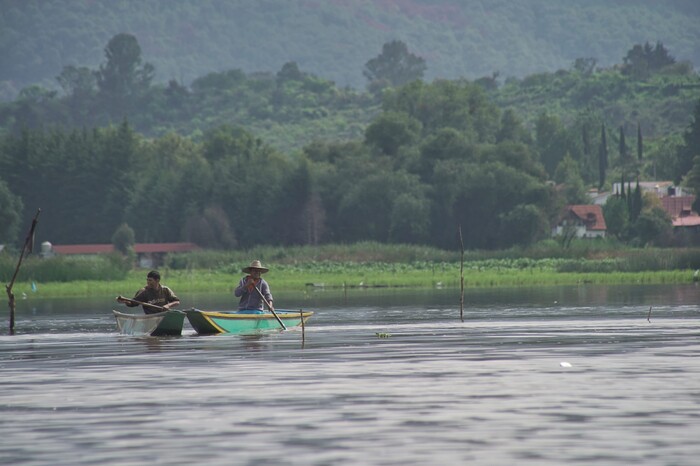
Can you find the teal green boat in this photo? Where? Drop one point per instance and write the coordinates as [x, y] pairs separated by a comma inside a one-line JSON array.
[[166, 323], [243, 322]]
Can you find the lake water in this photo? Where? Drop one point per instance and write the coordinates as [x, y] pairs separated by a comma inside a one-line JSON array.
[[535, 376]]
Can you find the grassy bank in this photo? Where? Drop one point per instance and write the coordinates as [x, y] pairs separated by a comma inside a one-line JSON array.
[[446, 275], [362, 265]]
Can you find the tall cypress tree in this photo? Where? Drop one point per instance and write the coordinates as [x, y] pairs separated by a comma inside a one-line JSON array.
[[622, 187], [640, 144], [636, 208], [688, 151], [623, 146], [602, 157]]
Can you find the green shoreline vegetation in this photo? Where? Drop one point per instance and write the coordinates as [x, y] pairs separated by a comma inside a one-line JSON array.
[[363, 265]]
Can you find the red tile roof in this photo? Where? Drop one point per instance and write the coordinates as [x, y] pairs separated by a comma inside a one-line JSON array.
[[678, 206], [83, 248], [689, 221], [590, 215], [164, 247]]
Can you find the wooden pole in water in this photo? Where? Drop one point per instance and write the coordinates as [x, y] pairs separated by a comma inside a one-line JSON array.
[[303, 327], [461, 276], [27, 248]]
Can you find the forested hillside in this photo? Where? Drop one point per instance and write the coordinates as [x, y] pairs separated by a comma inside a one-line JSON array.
[[334, 39], [286, 157]]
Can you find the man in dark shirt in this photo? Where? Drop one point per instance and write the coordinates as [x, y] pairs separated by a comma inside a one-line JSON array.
[[154, 293]]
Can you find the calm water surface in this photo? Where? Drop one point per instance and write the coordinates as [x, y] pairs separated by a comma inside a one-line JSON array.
[[545, 376]]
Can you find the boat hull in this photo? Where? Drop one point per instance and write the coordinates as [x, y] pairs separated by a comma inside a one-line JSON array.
[[167, 323], [243, 322]]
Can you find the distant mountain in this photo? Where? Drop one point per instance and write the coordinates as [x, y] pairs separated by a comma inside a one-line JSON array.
[[333, 39]]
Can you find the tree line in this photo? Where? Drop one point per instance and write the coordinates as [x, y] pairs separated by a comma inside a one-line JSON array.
[[438, 156], [430, 157]]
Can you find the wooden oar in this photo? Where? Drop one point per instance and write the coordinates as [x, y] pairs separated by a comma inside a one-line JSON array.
[[163, 309], [271, 308]]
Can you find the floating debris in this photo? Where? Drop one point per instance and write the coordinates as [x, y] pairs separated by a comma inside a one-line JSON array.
[[565, 364], [383, 335]]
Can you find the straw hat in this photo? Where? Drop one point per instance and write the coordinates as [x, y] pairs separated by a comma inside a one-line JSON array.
[[255, 265]]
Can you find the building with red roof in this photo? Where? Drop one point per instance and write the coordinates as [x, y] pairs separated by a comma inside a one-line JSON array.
[[680, 209], [583, 221], [147, 254]]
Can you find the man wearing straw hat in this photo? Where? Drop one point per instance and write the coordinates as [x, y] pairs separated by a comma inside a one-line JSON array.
[[253, 289]]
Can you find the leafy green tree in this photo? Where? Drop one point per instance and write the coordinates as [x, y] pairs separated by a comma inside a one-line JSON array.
[[11, 209], [642, 60], [391, 130], [616, 216], [512, 154], [624, 154], [693, 181], [173, 187], [480, 196], [410, 217], [551, 141], [653, 227], [602, 157], [79, 85], [523, 225], [512, 129], [247, 181], [567, 174], [691, 146], [289, 72], [372, 208], [123, 76], [394, 67], [292, 205], [636, 203], [209, 228], [459, 105], [123, 239], [78, 82], [640, 143], [585, 66], [445, 144]]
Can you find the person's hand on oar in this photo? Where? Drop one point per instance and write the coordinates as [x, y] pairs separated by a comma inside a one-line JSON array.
[[127, 301], [272, 309]]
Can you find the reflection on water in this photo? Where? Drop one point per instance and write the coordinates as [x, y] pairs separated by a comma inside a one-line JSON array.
[[433, 390]]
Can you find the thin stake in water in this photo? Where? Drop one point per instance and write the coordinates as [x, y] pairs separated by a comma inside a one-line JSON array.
[[461, 276], [27, 248]]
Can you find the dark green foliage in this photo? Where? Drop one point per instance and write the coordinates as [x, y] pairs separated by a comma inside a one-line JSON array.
[[642, 60], [693, 181], [123, 239], [11, 210], [640, 143], [691, 146], [616, 216], [438, 155], [653, 227], [394, 67], [602, 157], [391, 130], [636, 204]]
